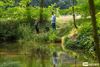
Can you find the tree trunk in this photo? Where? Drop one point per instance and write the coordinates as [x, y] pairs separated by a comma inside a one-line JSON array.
[[41, 10], [95, 31], [74, 14]]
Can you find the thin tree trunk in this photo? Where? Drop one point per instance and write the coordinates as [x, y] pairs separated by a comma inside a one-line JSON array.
[[74, 21], [95, 31], [41, 10]]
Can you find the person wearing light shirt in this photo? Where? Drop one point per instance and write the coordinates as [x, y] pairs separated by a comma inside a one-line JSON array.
[[53, 21]]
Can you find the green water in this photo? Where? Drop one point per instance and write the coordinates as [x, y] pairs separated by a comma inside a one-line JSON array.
[[27, 55], [22, 54]]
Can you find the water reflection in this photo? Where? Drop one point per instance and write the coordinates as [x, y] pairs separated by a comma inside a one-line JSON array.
[[27, 55], [33, 54]]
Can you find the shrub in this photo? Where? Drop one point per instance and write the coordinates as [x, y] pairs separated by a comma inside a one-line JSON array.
[[18, 22], [8, 31], [52, 36]]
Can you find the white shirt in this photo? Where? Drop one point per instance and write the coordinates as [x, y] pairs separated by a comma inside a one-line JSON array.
[[53, 19]]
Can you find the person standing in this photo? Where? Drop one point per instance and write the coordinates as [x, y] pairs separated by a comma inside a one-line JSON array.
[[53, 21]]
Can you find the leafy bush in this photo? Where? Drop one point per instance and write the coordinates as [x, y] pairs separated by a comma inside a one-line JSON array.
[[25, 31], [8, 31], [70, 43], [85, 39], [52, 36], [18, 22], [12, 31], [41, 38]]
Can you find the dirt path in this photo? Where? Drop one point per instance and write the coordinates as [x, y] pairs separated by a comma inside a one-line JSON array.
[[67, 18]]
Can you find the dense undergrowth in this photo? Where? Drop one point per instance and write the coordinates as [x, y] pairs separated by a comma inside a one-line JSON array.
[[18, 22], [84, 37]]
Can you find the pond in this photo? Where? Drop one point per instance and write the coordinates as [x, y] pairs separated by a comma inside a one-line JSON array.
[[34, 55]]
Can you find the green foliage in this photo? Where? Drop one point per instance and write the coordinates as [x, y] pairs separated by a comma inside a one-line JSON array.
[[98, 20], [12, 30], [25, 32], [69, 43], [64, 11], [41, 38], [81, 8], [53, 9], [8, 3], [1, 12], [52, 36], [18, 22], [1, 3], [16, 13], [19, 13], [24, 3], [8, 31], [84, 40], [97, 5]]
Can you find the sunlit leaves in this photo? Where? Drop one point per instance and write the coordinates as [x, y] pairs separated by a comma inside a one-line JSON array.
[[24, 3], [2, 3], [9, 2]]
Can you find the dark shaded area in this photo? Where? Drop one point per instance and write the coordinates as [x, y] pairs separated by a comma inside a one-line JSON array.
[[8, 32], [37, 27]]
